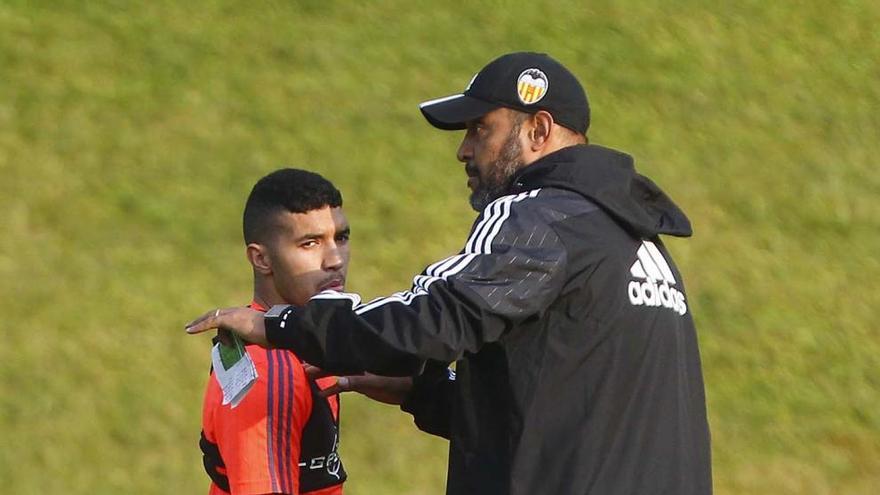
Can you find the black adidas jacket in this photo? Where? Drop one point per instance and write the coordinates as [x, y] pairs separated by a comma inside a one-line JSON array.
[[577, 367]]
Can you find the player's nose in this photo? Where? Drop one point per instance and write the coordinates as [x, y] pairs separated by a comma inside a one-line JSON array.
[[334, 258]]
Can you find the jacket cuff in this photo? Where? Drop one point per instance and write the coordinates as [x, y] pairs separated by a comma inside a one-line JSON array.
[[275, 320], [424, 388]]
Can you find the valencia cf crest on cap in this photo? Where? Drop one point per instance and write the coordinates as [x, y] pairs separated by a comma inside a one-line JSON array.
[[531, 86]]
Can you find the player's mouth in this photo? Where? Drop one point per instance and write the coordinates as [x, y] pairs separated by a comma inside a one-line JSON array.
[[335, 284]]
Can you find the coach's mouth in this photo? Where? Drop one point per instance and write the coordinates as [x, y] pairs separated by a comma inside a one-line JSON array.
[[473, 175], [472, 183]]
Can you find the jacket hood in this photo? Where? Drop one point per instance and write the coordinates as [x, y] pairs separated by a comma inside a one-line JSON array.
[[608, 178]]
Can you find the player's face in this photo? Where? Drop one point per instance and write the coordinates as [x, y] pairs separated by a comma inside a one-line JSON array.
[[309, 253], [492, 153]]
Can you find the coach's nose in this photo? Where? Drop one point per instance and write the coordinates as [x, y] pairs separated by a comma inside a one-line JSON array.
[[466, 149]]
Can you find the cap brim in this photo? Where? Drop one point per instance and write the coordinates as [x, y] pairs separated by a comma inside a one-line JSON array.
[[453, 112]]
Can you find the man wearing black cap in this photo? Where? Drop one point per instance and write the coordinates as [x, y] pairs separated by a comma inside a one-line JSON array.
[[577, 366]]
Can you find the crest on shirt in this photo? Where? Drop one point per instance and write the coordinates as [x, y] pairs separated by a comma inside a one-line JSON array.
[[531, 86]]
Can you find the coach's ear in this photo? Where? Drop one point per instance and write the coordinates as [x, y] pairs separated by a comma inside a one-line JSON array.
[[258, 256], [540, 127]]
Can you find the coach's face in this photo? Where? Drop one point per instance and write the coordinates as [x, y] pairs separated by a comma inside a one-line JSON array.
[[492, 153], [309, 253]]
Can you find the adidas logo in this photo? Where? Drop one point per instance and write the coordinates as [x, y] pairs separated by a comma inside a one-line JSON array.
[[656, 280]]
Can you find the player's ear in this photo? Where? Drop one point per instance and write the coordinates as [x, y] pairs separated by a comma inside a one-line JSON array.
[[258, 256]]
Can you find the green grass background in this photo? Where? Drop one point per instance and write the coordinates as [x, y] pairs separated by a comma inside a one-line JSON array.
[[130, 134]]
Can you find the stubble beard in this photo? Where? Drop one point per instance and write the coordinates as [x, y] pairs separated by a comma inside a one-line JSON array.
[[501, 172]]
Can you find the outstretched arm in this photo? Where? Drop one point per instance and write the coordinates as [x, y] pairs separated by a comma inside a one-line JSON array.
[[511, 269], [385, 389]]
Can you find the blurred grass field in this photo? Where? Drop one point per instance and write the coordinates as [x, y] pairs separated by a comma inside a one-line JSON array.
[[130, 136]]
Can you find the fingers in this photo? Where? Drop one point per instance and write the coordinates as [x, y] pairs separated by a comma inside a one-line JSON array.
[[379, 388], [329, 391], [314, 372], [207, 321], [245, 322], [343, 384]]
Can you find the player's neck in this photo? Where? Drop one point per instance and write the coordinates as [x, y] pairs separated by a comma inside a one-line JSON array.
[[265, 294]]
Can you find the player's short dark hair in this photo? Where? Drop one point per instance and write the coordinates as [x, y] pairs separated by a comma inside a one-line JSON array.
[[285, 190]]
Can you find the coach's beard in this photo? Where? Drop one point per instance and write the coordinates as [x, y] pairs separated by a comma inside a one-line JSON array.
[[497, 181]]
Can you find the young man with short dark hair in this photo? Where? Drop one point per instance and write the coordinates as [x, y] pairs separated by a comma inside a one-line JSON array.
[[283, 436]]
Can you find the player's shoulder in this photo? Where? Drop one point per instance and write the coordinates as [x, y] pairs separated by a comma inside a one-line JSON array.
[[279, 374], [263, 357], [277, 370]]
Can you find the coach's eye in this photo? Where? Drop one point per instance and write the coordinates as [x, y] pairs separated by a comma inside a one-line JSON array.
[[309, 243]]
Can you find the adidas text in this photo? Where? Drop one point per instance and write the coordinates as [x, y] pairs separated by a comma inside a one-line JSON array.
[[649, 293]]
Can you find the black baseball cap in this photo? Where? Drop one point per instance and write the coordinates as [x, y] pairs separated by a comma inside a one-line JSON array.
[[523, 81]]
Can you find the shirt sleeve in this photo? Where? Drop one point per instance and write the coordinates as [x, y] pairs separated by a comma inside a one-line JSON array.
[[511, 269], [259, 440]]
